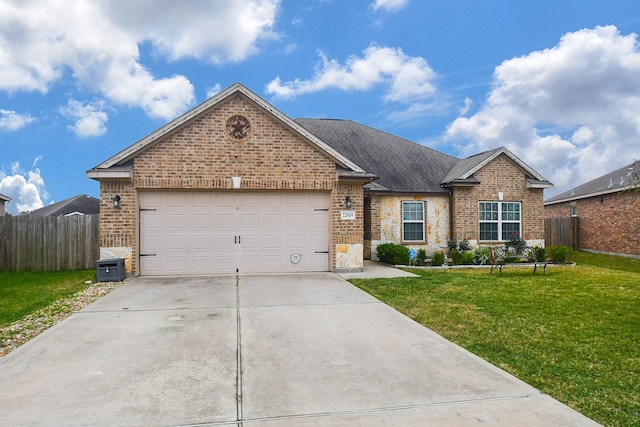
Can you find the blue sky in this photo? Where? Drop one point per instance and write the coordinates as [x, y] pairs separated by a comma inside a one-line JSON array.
[[557, 82]]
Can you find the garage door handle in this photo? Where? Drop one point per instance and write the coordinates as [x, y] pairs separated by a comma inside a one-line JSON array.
[[147, 254], [322, 210], [236, 239], [321, 252]]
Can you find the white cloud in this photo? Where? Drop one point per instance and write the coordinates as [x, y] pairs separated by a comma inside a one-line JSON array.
[[26, 189], [11, 120], [571, 111], [97, 43], [213, 90], [89, 118], [389, 5], [408, 78]]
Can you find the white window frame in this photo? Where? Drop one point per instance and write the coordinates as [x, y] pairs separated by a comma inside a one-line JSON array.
[[500, 218], [574, 210], [413, 220]]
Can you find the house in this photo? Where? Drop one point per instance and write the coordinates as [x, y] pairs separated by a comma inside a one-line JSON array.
[[78, 205], [608, 210], [3, 199], [234, 185]]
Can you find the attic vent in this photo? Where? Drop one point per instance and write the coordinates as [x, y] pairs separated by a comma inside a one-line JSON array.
[[610, 182], [622, 180], [629, 171]]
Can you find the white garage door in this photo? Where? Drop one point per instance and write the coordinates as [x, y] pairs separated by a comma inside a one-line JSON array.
[[196, 233]]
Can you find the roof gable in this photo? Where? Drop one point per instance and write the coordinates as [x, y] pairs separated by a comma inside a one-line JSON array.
[[116, 166], [463, 171]]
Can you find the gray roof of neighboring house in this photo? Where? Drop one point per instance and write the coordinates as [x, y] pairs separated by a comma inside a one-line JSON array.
[[82, 203], [613, 182], [4, 198], [402, 165]]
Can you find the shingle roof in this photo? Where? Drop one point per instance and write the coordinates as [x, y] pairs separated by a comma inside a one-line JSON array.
[[613, 182], [82, 203], [402, 165], [5, 198]]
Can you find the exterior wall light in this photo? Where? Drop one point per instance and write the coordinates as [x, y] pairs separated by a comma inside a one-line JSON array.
[[116, 201], [347, 202]]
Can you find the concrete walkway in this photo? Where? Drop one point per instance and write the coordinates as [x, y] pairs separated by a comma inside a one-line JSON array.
[[280, 350]]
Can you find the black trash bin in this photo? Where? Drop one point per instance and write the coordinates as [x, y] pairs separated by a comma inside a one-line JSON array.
[[110, 270]]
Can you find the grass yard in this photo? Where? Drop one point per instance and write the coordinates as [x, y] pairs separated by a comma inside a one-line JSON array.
[[573, 334], [22, 293]]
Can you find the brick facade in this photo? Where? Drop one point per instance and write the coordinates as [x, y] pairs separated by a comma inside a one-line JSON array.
[[500, 175], [608, 223], [202, 156]]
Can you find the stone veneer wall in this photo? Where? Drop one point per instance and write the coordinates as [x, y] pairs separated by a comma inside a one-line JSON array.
[[201, 155], [501, 174], [386, 219], [608, 223]]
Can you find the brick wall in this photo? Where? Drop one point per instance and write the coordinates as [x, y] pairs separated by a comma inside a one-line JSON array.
[[500, 175], [201, 155], [609, 223]]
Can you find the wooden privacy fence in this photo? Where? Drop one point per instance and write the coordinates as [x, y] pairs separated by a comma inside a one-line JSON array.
[[562, 231], [49, 243]]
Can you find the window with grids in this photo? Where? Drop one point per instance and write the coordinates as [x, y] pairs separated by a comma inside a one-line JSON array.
[[413, 221], [499, 220]]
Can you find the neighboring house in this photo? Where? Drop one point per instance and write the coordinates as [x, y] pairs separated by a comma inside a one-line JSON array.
[[608, 209], [234, 185], [78, 205], [3, 199]]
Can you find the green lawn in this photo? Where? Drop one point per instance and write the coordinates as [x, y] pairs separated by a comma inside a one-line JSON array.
[[573, 334], [22, 293]]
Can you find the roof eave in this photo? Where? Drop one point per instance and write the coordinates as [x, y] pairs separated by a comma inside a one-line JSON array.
[[589, 195], [539, 184], [104, 174]]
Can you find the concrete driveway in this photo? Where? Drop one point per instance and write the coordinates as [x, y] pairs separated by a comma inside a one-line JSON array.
[[280, 350]]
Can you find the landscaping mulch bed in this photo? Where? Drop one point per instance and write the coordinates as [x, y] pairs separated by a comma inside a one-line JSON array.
[[21, 331]]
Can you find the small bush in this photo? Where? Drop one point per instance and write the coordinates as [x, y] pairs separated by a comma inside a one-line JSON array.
[[464, 245], [541, 254], [421, 258], [452, 245], [467, 257], [482, 255], [516, 243], [456, 257], [560, 254], [438, 258], [391, 253]]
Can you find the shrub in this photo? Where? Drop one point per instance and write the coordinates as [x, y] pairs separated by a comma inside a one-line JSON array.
[[464, 245], [421, 258], [438, 258], [516, 243], [467, 257], [391, 253], [482, 255], [456, 257], [452, 245], [541, 253], [560, 254]]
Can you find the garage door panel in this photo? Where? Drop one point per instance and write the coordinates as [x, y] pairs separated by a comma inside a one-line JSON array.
[[202, 220], [176, 200], [224, 232], [150, 243], [176, 242], [176, 220]]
